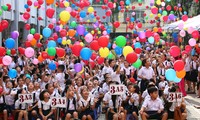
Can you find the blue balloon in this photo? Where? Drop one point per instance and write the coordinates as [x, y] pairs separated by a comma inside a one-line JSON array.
[[118, 50], [193, 52], [12, 73], [83, 14], [108, 31], [92, 15], [10, 43], [59, 40], [73, 5], [26, 6], [132, 19], [28, 76], [128, 2], [52, 66], [177, 80], [170, 74], [119, 8], [151, 40], [46, 32], [86, 53], [109, 45], [137, 45], [51, 43], [174, 35]]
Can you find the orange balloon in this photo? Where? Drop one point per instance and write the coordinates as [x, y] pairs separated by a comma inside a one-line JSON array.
[[155, 29], [63, 23], [49, 2], [33, 42], [71, 33], [40, 59], [181, 74]]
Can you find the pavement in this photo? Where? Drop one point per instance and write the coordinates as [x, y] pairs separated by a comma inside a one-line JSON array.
[[192, 106]]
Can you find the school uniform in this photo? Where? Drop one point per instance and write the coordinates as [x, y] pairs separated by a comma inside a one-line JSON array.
[[134, 106], [20, 106], [152, 107], [187, 68], [60, 78], [2, 103], [83, 103], [71, 106], [10, 100], [46, 108], [118, 103], [194, 71]]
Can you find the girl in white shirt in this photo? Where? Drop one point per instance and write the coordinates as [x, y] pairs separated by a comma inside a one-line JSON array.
[[2, 104]]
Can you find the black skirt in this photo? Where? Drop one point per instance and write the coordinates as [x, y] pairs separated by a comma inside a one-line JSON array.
[[193, 76]]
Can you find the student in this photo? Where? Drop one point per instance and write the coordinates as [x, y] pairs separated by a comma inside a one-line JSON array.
[[71, 109], [60, 76], [152, 107], [3, 105], [86, 104], [194, 72], [21, 108], [44, 105]]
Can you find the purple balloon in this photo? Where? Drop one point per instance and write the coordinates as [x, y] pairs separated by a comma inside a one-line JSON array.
[[57, 28], [80, 29], [14, 35], [171, 16], [78, 67]]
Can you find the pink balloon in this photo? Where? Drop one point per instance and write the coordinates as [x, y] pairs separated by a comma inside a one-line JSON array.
[[30, 37], [133, 13], [190, 30], [88, 37], [7, 60], [182, 33], [114, 46], [69, 9], [180, 26], [192, 42], [53, 20], [29, 52], [35, 61], [142, 35], [104, 32], [175, 51], [36, 4]]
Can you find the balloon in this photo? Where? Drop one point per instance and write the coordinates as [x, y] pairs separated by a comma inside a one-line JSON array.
[[12, 73], [188, 48], [60, 52], [37, 36], [30, 37], [52, 66], [116, 24], [179, 65], [86, 53], [175, 51], [40, 59], [46, 32], [94, 56], [7, 60], [184, 18], [176, 79], [190, 30], [3, 51], [32, 31], [138, 50], [171, 16], [64, 16], [44, 55], [73, 24], [26, 15], [195, 34], [137, 45], [121, 41], [51, 51], [29, 52], [151, 40], [110, 56], [50, 12], [78, 67], [51, 43], [80, 30], [170, 74], [137, 64], [181, 26], [71, 33], [94, 45], [8, 52], [14, 35], [127, 50], [76, 49], [27, 26], [35, 61], [48, 2], [154, 10], [104, 52], [100, 60], [83, 14], [131, 58], [142, 35], [181, 74], [90, 9], [10, 43], [192, 42], [88, 37], [103, 41], [182, 33]]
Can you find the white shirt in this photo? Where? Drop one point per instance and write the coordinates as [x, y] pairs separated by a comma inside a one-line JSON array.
[[187, 64], [118, 103], [135, 97], [104, 70], [60, 77], [23, 105], [162, 84], [12, 65], [128, 70], [194, 65], [116, 77], [107, 97], [46, 105], [153, 105], [147, 73], [71, 104], [83, 103], [105, 88]]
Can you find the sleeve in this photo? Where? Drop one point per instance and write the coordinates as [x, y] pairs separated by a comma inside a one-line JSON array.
[[110, 104], [92, 101], [17, 104], [136, 98], [39, 104], [80, 103], [140, 72], [145, 103], [161, 105], [199, 69]]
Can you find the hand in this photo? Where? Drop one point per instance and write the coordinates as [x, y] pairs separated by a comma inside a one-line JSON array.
[[141, 111], [45, 118]]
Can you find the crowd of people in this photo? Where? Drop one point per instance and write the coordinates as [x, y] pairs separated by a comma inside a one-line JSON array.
[[87, 92]]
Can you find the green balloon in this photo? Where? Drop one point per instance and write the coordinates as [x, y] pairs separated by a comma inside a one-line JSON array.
[[1, 12], [32, 31], [120, 41], [146, 17], [140, 1], [137, 64], [110, 56], [51, 51], [4, 7], [8, 52], [171, 12], [164, 13], [73, 24]]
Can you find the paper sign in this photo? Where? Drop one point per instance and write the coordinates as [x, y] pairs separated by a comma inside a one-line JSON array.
[[59, 102], [175, 97], [25, 98], [117, 89]]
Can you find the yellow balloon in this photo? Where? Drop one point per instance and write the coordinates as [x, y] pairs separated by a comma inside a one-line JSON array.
[[90, 10], [81, 70], [64, 42], [104, 52], [46, 49], [68, 41], [159, 15], [151, 15], [99, 32], [158, 2], [81, 43], [64, 16], [41, 36], [92, 32], [127, 50], [66, 4]]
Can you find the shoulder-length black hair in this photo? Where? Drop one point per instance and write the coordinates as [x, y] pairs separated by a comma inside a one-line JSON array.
[[42, 94]]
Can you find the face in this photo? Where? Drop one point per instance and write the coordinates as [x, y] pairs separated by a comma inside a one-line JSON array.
[[112, 63], [79, 81], [46, 95], [85, 92], [130, 88], [96, 82], [90, 85], [147, 63], [126, 64], [30, 86], [154, 95], [9, 85], [70, 92], [20, 82], [50, 88]]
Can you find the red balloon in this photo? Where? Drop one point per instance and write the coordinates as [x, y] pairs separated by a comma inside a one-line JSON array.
[[94, 56], [138, 50], [55, 36], [175, 51], [132, 80], [103, 41], [110, 5], [184, 18], [76, 49], [27, 26], [26, 15], [131, 58], [21, 50], [148, 33], [40, 2], [29, 2], [92, 64], [50, 12], [37, 36], [60, 52], [121, 3], [39, 45], [168, 8], [188, 48], [179, 65], [108, 13], [3, 51], [44, 55], [116, 24], [156, 37], [4, 24], [1, 28], [9, 6], [139, 25], [63, 33], [51, 26], [100, 60], [28, 44], [51, 57], [1, 60], [13, 51], [94, 45], [195, 34], [154, 10], [73, 13]]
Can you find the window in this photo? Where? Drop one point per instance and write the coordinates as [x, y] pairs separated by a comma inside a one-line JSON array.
[[138, 15]]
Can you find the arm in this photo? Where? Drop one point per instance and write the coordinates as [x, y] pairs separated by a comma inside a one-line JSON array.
[[40, 111], [50, 113]]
